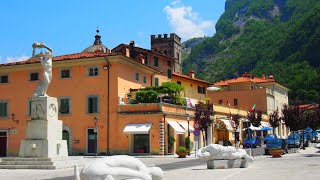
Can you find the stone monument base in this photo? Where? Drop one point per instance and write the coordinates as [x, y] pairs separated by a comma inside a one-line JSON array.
[[227, 163], [42, 148]]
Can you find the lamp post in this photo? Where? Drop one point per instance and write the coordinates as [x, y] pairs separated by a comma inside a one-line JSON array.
[[95, 130]]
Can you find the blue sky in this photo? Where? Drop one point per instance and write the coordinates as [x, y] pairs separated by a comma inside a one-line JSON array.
[[68, 26]]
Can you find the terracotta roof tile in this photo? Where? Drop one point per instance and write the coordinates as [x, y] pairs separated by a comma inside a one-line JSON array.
[[245, 79], [192, 79], [63, 58]]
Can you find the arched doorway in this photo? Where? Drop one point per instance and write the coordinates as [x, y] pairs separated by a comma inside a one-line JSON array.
[[67, 135]]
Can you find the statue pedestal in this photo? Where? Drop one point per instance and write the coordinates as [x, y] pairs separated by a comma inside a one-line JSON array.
[[44, 131], [227, 163]]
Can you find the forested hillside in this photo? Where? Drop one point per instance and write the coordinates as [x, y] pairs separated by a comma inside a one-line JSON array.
[[273, 37]]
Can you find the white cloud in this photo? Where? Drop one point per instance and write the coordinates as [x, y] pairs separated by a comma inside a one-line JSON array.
[[186, 23], [16, 58]]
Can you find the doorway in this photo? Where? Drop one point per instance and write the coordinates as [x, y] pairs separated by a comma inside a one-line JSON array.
[[92, 142], [66, 136], [3, 143]]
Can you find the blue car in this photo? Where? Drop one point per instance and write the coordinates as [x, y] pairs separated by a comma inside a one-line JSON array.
[[276, 143], [252, 142], [269, 137], [293, 140]]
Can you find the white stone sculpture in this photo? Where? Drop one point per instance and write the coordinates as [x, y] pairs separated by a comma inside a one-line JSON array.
[[219, 152], [119, 167], [46, 62]]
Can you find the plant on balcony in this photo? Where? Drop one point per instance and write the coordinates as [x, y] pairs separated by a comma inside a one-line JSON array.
[[147, 96], [150, 94], [182, 152]]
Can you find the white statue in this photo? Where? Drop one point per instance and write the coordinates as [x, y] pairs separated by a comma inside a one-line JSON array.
[[46, 62], [219, 152], [119, 167]]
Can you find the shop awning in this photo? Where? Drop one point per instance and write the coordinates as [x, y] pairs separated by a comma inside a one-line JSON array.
[[176, 127], [185, 126], [137, 129], [265, 124], [227, 124]]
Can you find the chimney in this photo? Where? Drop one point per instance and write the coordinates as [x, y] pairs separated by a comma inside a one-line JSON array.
[[127, 52], [271, 77], [263, 76], [191, 74], [132, 51]]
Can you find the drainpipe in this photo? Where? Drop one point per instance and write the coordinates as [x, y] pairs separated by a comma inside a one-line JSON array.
[[108, 110]]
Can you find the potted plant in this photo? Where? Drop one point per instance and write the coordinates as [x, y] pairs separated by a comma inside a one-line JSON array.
[[182, 152], [171, 141], [276, 152]]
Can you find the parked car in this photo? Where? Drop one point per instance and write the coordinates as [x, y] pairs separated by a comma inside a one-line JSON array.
[[293, 140], [276, 143], [252, 142], [269, 137]]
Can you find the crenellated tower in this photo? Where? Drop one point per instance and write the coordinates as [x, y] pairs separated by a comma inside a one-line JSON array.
[[170, 46]]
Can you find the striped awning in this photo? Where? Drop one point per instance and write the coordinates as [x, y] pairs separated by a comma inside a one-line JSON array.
[[137, 129], [176, 127], [185, 126]]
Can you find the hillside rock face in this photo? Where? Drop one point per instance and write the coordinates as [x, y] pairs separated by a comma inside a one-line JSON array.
[[278, 37]]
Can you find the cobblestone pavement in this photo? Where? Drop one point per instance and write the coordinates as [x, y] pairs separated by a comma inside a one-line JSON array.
[[303, 165]]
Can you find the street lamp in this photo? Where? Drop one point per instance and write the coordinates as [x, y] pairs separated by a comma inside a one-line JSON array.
[[95, 130]]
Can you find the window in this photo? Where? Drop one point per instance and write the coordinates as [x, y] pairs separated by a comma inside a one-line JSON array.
[[156, 81], [204, 90], [200, 90], [34, 76], [65, 73], [235, 102], [178, 82], [93, 71], [137, 76], [144, 79], [169, 63], [64, 105], [92, 104], [4, 79], [169, 73], [156, 61], [220, 101], [3, 109]]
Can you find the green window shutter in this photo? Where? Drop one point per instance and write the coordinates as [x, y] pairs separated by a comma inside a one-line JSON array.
[[3, 109]]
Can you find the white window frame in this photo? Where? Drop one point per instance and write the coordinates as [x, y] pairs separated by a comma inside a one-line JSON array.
[[63, 69], [93, 67]]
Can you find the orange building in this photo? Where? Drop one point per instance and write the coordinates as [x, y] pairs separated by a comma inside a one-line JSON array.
[[244, 92], [92, 88]]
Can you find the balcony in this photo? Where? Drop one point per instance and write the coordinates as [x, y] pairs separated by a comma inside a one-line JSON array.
[[150, 108]]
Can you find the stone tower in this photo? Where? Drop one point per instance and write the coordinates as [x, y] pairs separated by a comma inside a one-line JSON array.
[[171, 46]]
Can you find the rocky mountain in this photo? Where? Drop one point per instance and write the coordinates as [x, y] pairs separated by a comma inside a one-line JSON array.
[[273, 37]]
